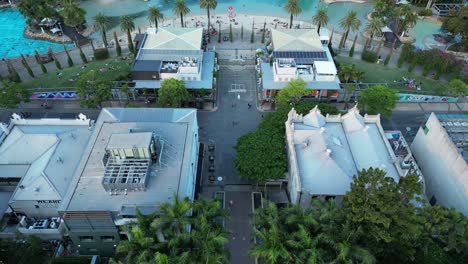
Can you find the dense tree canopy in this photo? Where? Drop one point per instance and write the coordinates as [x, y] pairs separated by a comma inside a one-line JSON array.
[[378, 99], [163, 237], [292, 93], [457, 24], [93, 89], [380, 221], [458, 87], [172, 93], [24, 250], [73, 15], [11, 94]]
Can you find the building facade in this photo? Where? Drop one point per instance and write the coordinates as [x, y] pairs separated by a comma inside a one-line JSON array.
[[441, 149], [325, 152], [300, 53], [136, 158]]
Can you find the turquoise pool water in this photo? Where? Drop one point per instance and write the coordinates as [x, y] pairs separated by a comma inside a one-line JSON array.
[[12, 23], [12, 42]]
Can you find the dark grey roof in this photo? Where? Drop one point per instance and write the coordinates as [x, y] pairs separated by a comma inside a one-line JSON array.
[[147, 65]]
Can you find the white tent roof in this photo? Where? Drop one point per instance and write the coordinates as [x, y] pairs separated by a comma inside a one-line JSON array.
[[174, 38], [386, 29], [296, 40], [55, 30], [325, 67]]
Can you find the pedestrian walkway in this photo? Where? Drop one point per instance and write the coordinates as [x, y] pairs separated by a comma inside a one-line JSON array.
[[241, 237]]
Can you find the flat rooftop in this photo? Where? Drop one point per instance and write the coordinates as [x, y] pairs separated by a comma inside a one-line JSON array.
[[296, 40], [456, 126], [43, 153], [176, 38], [173, 126]]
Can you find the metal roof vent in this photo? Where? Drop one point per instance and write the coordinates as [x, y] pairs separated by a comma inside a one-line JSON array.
[[60, 160]]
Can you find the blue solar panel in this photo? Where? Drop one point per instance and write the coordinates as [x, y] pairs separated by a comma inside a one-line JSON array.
[[302, 56]]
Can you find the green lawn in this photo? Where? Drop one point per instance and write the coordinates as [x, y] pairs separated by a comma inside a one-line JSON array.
[[115, 69], [378, 73]]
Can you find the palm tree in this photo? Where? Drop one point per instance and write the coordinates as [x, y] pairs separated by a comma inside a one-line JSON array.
[[155, 14], [181, 8], [293, 8], [373, 27], [173, 216], [406, 19], [212, 210], [72, 13], [305, 247], [209, 241], [208, 4], [343, 241], [320, 19], [127, 24], [102, 22], [272, 248], [138, 248], [348, 23]]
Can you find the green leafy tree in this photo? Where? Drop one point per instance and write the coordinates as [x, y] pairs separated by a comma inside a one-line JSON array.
[[263, 32], [230, 33], [57, 62], [138, 248], [458, 87], [260, 156], [12, 73], [39, 61], [321, 19], [69, 59], [12, 94], [180, 8], [252, 34], [23, 250], [127, 25], [209, 5], [348, 23], [242, 32], [378, 99], [82, 55], [292, 93], [93, 89], [118, 49], [26, 65], [174, 217], [272, 248], [456, 23], [406, 18], [102, 23], [383, 211], [72, 13], [293, 8], [351, 51], [155, 15], [35, 10], [172, 93]]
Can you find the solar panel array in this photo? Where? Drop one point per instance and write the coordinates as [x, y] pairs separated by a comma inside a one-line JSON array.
[[302, 56]]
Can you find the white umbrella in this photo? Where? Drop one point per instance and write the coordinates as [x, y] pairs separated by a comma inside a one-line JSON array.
[[402, 2], [386, 29], [55, 30]]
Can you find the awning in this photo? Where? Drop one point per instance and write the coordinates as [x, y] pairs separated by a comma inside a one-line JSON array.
[[55, 30], [386, 29]]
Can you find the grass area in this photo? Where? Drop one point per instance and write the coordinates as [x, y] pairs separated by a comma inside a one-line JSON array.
[[116, 69], [382, 74]]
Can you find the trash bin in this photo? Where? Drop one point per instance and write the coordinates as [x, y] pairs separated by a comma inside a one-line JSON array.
[[91, 58]]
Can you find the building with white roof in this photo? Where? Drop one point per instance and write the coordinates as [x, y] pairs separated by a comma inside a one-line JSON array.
[[441, 149], [173, 53], [325, 152], [37, 159], [136, 158], [300, 53]]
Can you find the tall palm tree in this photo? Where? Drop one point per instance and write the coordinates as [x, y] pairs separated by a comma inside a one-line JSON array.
[[373, 27], [73, 15], [173, 216], [127, 24], [212, 210], [272, 248], [180, 8], [138, 248], [293, 8], [320, 19], [155, 14], [209, 242], [208, 4], [406, 19], [348, 23], [102, 22], [305, 246]]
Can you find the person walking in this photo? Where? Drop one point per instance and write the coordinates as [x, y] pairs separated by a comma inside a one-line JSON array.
[[249, 105], [231, 204]]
